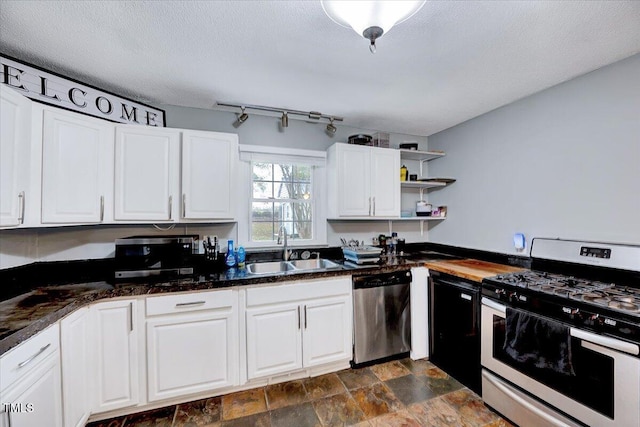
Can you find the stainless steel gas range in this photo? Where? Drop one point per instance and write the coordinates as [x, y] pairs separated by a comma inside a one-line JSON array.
[[561, 343]]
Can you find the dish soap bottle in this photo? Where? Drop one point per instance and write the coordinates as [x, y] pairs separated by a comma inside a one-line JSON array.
[[404, 173], [241, 257], [230, 259]]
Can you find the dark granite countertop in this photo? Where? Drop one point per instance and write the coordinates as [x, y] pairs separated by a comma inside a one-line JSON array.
[[31, 312], [29, 304]]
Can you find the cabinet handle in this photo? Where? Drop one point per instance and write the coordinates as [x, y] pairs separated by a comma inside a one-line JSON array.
[[170, 206], [184, 205], [298, 317], [101, 208], [130, 317], [186, 304], [374, 206], [369, 206], [21, 198], [305, 317], [26, 362]]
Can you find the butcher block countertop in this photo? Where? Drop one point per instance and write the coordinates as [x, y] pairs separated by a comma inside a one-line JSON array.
[[471, 269]]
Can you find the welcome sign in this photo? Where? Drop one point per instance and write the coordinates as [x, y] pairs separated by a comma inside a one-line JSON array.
[[50, 88]]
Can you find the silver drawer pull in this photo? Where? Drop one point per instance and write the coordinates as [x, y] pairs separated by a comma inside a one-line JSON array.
[[26, 362], [186, 304], [465, 296]]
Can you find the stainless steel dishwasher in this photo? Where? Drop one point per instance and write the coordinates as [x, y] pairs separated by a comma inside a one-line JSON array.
[[381, 316]]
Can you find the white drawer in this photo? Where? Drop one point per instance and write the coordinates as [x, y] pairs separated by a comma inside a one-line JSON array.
[[19, 361], [187, 302], [298, 291]]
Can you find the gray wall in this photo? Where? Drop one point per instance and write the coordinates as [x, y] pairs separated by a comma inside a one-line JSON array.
[[564, 162]]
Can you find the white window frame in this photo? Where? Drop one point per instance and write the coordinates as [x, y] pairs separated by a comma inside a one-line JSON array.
[[317, 159]]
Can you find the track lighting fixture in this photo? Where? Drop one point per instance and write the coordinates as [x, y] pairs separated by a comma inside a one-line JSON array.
[[284, 115], [242, 117], [331, 129]]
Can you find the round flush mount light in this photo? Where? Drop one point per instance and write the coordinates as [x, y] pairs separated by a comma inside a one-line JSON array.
[[370, 19]]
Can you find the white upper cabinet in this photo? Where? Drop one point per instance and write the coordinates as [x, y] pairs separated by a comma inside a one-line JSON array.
[[363, 181], [146, 173], [208, 160], [77, 168], [15, 141], [385, 179]]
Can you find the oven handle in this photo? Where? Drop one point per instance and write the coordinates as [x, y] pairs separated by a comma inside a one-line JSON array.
[[547, 417], [492, 304], [602, 340], [606, 341]]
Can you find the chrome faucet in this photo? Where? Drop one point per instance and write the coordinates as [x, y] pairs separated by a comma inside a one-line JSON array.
[[282, 231]]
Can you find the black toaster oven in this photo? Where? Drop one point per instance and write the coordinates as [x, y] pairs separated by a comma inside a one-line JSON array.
[[144, 256]]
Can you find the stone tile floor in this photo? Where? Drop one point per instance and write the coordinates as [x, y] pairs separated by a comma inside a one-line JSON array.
[[398, 393]]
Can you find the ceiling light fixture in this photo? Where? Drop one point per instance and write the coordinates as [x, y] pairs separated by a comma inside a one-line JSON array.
[[331, 129], [282, 113], [370, 19]]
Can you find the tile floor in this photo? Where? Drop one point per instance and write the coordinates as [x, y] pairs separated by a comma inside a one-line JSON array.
[[398, 393]]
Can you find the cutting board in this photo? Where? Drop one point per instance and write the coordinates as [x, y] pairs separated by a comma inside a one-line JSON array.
[[471, 269]]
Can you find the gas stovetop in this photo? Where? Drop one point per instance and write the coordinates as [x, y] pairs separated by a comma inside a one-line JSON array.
[[620, 298]]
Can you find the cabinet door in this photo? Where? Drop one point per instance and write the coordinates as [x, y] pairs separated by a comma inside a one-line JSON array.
[[191, 353], [36, 399], [76, 373], [208, 160], [353, 182], [274, 342], [385, 178], [327, 331], [146, 173], [116, 357], [15, 139], [77, 167]]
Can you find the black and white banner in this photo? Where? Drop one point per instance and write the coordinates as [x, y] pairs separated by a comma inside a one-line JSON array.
[[50, 88]]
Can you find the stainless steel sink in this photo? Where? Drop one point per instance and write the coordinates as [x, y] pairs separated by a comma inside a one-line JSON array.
[[314, 264], [269, 267], [300, 266]]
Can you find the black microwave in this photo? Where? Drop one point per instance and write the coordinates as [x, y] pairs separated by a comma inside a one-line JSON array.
[[144, 256]]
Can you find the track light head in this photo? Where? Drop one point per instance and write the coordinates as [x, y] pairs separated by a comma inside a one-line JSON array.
[[331, 129], [284, 120], [242, 117]]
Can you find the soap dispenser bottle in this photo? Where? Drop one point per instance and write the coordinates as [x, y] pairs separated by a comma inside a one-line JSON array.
[[230, 259]]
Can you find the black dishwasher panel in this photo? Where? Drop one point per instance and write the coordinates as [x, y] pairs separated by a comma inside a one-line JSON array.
[[454, 314]]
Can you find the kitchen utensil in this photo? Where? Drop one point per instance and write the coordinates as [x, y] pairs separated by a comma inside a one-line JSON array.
[[360, 139], [409, 146], [423, 208]]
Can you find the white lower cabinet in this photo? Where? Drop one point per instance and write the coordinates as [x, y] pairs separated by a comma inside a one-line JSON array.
[[298, 325], [274, 338], [36, 399], [30, 387], [116, 355], [192, 343], [75, 348], [327, 330]]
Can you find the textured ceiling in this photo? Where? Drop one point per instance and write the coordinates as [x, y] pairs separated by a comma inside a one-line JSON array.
[[450, 62]]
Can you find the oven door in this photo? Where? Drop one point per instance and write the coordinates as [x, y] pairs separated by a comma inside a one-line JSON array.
[[605, 390]]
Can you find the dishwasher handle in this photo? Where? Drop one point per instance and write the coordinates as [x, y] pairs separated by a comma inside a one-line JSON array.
[[384, 279]]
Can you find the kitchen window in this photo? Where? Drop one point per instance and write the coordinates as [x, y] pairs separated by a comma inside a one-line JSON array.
[[282, 196], [285, 188]]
